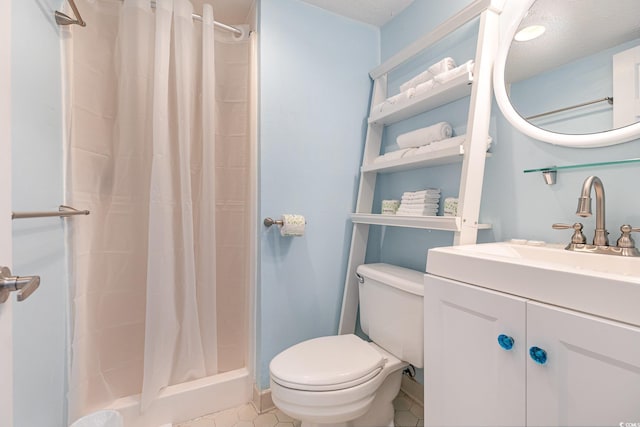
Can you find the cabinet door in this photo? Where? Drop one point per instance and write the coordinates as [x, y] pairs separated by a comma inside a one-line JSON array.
[[591, 376], [470, 380]]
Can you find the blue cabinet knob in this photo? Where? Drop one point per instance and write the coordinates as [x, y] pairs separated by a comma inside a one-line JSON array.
[[505, 341], [538, 355]]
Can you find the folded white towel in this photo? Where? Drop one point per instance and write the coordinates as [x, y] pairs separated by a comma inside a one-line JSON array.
[[421, 193], [425, 212], [439, 67], [418, 197], [424, 136], [448, 75], [417, 208], [415, 204]]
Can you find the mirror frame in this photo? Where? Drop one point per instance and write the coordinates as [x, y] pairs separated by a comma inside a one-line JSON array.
[[592, 140]]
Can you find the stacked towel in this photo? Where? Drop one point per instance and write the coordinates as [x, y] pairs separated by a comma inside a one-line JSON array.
[[420, 203], [425, 136], [439, 67]]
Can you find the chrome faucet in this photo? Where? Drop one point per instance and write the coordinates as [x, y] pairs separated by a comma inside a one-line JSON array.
[[584, 208], [625, 245]]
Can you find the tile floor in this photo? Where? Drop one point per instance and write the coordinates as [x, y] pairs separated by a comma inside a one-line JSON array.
[[408, 414]]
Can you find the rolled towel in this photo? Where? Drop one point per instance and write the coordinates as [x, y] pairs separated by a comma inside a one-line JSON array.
[[439, 67], [391, 155], [448, 75], [443, 144], [423, 87], [425, 136], [392, 100]]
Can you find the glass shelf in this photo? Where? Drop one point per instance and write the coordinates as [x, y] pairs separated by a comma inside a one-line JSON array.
[[549, 173]]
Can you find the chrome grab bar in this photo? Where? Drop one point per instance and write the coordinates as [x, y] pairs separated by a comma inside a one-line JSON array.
[[63, 211]]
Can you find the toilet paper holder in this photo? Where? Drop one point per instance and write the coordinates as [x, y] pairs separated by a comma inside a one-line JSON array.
[[268, 222]]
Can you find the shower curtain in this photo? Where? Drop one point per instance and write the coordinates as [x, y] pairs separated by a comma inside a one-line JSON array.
[[141, 158]]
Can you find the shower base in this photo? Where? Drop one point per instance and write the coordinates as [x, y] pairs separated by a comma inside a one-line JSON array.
[[188, 400]]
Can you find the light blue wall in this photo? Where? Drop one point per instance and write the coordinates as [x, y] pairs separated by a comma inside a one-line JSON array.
[[38, 244], [314, 100]]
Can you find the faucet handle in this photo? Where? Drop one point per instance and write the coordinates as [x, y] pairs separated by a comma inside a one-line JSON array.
[[578, 237], [625, 240]]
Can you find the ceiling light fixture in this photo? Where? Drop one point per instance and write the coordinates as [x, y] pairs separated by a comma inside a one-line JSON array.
[[529, 33]]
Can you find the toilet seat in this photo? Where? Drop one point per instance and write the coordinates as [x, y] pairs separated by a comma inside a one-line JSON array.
[[327, 364]]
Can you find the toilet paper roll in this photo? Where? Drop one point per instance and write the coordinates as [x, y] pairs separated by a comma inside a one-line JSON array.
[[389, 207], [450, 206], [292, 225]]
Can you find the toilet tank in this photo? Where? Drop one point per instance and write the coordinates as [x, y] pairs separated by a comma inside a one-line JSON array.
[[391, 309]]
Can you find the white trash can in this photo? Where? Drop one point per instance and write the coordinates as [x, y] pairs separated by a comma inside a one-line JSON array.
[[104, 418]]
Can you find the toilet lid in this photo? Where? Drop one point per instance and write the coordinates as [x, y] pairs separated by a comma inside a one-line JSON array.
[[327, 363]]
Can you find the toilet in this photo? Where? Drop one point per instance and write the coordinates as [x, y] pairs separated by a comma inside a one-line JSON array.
[[345, 381]]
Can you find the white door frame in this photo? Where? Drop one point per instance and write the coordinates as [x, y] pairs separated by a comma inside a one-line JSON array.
[[6, 315]]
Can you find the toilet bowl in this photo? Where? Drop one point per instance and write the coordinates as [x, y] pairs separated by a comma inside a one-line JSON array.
[[344, 380], [351, 377]]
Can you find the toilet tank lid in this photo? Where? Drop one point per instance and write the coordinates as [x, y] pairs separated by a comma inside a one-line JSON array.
[[326, 361], [411, 281]]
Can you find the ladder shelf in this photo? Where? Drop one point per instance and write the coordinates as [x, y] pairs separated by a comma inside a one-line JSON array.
[[444, 223], [476, 85], [434, 158]]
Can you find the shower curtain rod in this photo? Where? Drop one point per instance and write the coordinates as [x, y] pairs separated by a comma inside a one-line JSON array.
[[63, 19], [215, 23]]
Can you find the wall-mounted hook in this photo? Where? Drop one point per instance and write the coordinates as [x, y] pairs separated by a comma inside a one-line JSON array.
[[64, 19]]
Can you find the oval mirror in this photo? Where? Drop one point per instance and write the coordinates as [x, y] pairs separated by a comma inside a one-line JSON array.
[[558, 86]]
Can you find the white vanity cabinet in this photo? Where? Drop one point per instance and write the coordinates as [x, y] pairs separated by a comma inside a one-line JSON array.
[[591, 376]]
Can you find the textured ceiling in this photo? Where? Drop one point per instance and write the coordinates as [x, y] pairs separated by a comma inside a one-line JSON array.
[[575, 29], [374, 12]]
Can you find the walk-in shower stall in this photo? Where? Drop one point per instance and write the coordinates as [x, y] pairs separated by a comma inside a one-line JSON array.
[[160, 148]]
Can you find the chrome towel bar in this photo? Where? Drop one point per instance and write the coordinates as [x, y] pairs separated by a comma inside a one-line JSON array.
[[63, 211], [609, 99]]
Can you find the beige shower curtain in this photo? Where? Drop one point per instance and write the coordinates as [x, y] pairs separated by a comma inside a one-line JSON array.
[[141, 158]]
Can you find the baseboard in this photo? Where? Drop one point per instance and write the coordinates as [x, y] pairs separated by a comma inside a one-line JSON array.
[[413, 389], [262, 400]]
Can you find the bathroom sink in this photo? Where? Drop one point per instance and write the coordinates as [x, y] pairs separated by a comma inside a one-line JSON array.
[[604, 285], [555, 256]]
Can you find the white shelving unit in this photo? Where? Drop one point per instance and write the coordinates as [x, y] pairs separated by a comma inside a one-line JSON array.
[[472, 154], [443, 94]]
